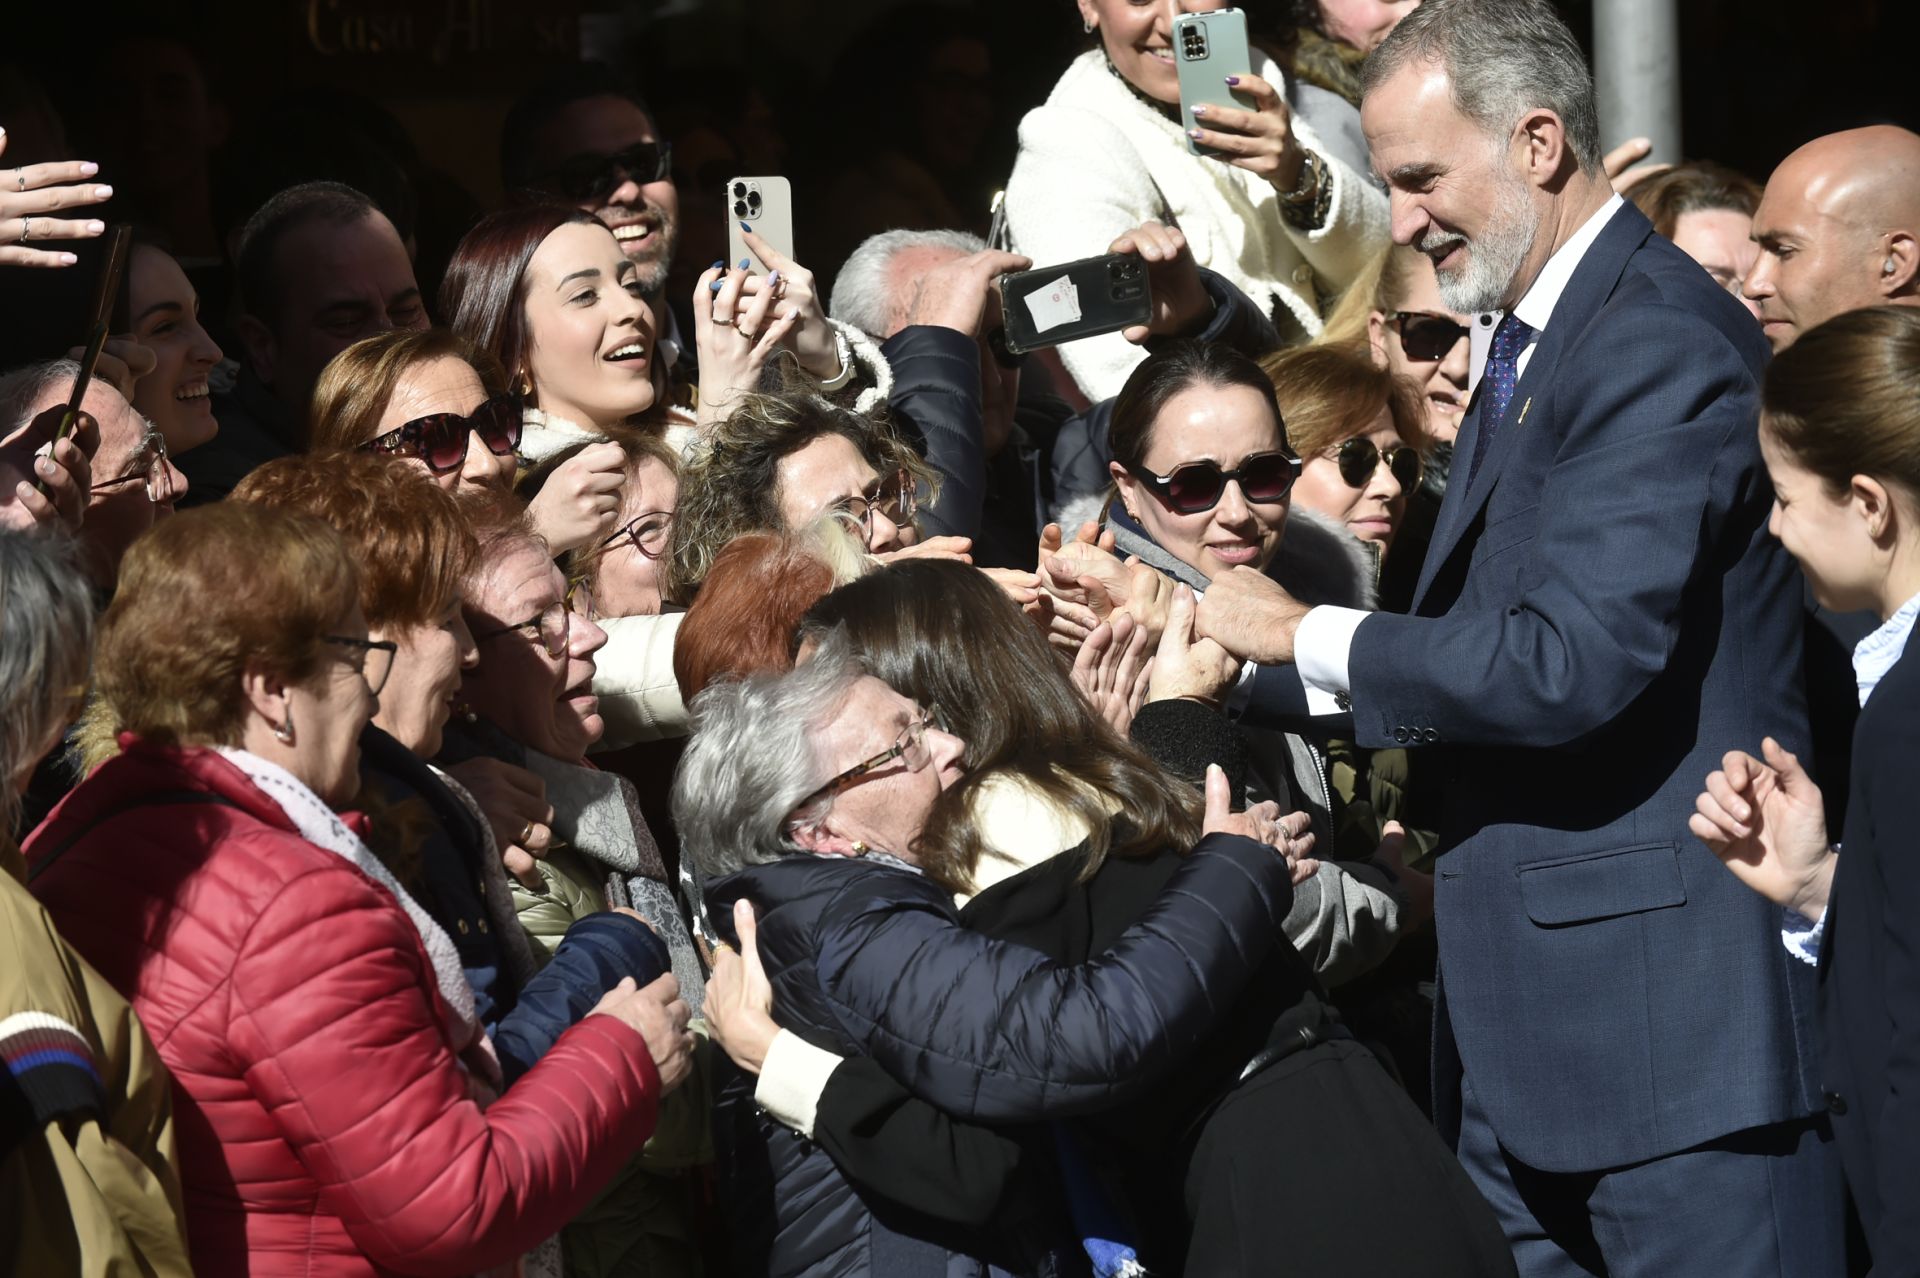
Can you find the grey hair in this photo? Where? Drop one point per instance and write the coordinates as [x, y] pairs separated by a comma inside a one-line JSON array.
[[1504, 59], [863, 293], [46, 634], [29, 385], [752, 760]]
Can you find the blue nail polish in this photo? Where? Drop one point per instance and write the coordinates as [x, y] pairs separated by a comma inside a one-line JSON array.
[[718, 262], [745, 227], [745, 262], [715, 286]]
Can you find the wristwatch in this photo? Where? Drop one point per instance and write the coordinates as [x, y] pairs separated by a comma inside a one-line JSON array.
[[1308, 184], [845, 351]]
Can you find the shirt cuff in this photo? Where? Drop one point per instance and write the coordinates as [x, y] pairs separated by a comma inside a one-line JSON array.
[[1320, 649], [1242, 691], [792, 1078], [1801, 935]]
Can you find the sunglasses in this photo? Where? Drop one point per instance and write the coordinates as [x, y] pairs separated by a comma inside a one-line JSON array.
[[592, 178], [1424, 335], [1359, 457], [1197, 486], [440, 439]]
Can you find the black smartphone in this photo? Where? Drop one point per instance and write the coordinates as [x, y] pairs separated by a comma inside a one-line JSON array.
[[103, 308], [1056, 304]]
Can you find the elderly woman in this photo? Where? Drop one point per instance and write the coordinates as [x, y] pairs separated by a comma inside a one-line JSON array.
[[820, 795], [413, 550], [1274, 211], [88, 1182], [438, 402], [1279, 1085], [327, 1060], [782, 461]]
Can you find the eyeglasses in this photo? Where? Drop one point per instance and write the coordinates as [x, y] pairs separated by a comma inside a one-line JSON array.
[[1360, 456], [1197, 486], [440, 439], [648, 533], [1012, 361], [376, 658], [897, 501], [592, 178], [549, 629], [151, 468], [910, 747], [1425, 336]]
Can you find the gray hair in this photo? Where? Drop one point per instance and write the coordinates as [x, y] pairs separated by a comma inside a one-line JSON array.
[[751, 761], [863, 294], [1504, 59], [30, 384], [46, 634]]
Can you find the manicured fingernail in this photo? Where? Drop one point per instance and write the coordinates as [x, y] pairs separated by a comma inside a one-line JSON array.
[[715, 286], [745, 227], [68, 259], [718, 262], [745, 262], [94, 228], [1194, 134], [1199, 109], [44, 466], [773, 277], [103, 192], [88, 168]]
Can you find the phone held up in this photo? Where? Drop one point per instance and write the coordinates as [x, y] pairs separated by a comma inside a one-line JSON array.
[[763, 205], [1056, 304], [108, 289], [1207, 48]]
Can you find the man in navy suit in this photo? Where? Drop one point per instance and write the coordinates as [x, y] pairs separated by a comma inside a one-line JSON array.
[[1622, 1040]]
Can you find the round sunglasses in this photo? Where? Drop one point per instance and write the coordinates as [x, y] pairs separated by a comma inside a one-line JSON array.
[[440, 439], [1425, 336], [1359, 457], [1196, 486]]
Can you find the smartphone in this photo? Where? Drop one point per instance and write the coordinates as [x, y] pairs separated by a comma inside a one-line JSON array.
[[1207, 48], [103, 306], [766, 205], [1056, 304]]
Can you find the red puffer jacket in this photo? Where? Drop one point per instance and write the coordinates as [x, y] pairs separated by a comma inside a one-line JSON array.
[[325, 1127]]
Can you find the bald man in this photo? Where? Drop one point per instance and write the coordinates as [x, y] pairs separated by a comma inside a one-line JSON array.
[[1839, 230]]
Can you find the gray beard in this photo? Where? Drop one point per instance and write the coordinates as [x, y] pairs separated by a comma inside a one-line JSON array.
[[651, 275], [1494, 259]]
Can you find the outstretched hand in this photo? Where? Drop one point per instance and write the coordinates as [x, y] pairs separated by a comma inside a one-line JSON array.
[[1185, 666], [1112, 669], [1767, 822], [31, 195], [1251, 616]]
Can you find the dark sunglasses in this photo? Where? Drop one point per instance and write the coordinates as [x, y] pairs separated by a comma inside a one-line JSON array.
[[1424, 335], [440, 440], [1359, 457], [1197, 486], [592, 178]]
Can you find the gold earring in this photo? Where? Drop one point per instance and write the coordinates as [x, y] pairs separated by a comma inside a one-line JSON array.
[[859, 848]]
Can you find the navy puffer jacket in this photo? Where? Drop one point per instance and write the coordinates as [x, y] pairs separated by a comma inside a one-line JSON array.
[[870, 959]]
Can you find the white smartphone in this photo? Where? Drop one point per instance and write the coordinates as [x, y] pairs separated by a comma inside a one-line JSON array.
[[764, 204], [1207, 48]]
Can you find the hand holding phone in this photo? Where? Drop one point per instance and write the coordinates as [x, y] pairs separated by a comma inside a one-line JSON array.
[[1057, 304], [1211, 59], [44, 481], [762, 206], [1181, 305]]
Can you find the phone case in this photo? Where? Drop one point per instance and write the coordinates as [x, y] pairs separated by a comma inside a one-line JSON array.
[[1207, 48], [1056, 304], [765, 204]]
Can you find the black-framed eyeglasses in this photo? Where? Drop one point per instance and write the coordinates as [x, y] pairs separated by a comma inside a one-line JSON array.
[[898, 500], [647, 531], [440, 439], [1359, 457], [1426, 336], [910, 747], [1011, 360], [592, 178], [150, 468], [549, 629], [1196, 486], [376, 658]]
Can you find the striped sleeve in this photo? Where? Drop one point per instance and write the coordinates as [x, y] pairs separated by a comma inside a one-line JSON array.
[[52, 1066]]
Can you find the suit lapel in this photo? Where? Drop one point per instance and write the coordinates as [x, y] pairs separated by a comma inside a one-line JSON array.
[[1592, 282]]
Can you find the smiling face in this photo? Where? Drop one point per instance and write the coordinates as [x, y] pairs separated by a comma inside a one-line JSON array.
[[1442, 382], [590, 332], [1138, 38], [885, 809], [1363, 23], [543, 702], [166, 320], [1457, 195], [1371, 512], [447, 385], [1222, 424], [425, 679], [329, 712], [642, 213], [1825, 531], [1721, 240]]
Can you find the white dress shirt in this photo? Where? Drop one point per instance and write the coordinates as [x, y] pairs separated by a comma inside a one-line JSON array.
[[1325, 637]]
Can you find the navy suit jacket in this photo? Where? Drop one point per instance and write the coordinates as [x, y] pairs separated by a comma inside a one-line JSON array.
[[1870, 975], [1601, 616]]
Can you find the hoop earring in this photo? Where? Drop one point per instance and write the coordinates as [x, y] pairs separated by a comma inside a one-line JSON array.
[[283, 733], [1086, 25], [526, 385]]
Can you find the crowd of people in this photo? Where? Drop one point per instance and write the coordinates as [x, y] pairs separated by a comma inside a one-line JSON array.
[[552, 759]]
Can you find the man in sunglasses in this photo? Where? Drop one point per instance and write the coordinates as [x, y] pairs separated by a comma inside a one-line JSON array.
[[1622, 1044], [1012, 456]]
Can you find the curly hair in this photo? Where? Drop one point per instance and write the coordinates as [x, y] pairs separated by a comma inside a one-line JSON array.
[[730, 487]]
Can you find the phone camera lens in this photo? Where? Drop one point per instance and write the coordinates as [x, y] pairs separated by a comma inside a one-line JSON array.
[[739, 208], [739, 189]]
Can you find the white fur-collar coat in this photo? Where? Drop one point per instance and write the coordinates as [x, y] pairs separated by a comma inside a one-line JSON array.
[[1096, 161]]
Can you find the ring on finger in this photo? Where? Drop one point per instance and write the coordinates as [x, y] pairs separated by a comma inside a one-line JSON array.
[[20, 178], [751, 337], [723, 323], [526, 832], [26, 224]]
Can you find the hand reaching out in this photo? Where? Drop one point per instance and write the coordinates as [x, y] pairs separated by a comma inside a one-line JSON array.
[[31, 194], [580, 501], [958, 549], [660, 1016], [1111, 671], [1184, 666], [739, 1003], [1251, 616], [1768, 823]]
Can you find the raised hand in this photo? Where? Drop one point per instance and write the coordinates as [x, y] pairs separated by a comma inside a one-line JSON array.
[[1111, 671], [954, 294], [739, 1003], [580, 501], [1180, 301], [735, 336], [660, 1016], [1622, 164], [123, 362], [1767, 822], [30, 194], [64, 471], [1259, 140], [1186, 666], [792, 286]]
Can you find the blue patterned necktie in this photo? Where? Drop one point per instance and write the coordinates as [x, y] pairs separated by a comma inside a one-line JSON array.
[[1498, 378]]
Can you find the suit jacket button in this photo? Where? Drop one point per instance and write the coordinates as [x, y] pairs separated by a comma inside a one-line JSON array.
[[1342, 700], [1430, 736], [1400, 734], [1836, 1104]]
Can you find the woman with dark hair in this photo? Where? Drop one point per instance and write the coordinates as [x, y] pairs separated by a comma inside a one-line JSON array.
[[163, 315], [1058, 835], [1840, 430]]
